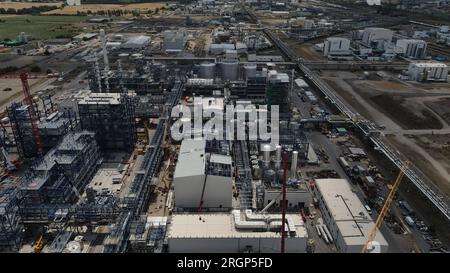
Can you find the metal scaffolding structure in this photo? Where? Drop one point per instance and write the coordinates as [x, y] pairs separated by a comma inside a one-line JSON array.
[[50, 191], [135, 203], [59, 177], [112, 117], [243, 174], [21, 124], [11, 228]]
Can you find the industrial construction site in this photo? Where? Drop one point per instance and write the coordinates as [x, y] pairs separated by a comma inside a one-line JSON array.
[[100, 152]]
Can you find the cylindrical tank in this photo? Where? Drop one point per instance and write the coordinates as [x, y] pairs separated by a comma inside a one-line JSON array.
[[266, 154], [249, 70], [230, 71], [294, 163], [278, 153], [207, 70]]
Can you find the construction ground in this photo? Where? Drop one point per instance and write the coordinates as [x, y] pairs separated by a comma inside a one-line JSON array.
[[413, 116]]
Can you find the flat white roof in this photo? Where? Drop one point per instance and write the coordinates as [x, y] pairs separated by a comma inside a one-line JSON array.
[[337, 39], [191, 159], [138, 40], [100, 98], [411, 40], [347, 210], [429, 64], [221, 225], [222, 159]]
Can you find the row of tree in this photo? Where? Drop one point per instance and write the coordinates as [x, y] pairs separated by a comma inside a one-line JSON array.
[[31, 10], [118, 12]]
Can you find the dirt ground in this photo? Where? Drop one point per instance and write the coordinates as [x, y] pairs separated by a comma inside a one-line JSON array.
[[438, 146], [427, 157], [72, 10], [392, 103], [415, 117], [304, 50], [441, 107], [398, 109]]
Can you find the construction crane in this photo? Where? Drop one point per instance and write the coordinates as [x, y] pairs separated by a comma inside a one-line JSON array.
[[283, 205], [39, 245], [32, 113], [386, 206]]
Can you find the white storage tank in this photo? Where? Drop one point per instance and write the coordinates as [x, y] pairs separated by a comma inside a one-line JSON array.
[[207, 71], [250, 70], [266, 149], [230, 71]]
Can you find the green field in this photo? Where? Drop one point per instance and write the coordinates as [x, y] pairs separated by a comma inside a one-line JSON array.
[[40, 26]]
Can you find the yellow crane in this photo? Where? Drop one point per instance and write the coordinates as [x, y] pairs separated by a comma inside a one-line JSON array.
[[386, 206]]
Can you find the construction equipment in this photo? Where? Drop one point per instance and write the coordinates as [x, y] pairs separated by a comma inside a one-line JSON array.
[[32, 113], [39, 245], [386, 206]]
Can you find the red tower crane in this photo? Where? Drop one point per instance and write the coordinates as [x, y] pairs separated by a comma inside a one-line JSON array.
[[32, 113]]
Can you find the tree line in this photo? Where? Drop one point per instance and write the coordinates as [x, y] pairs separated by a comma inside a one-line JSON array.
[[31, 10]]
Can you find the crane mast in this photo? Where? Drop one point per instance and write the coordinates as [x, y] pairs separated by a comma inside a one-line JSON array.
[[386, 206], [32, 113]]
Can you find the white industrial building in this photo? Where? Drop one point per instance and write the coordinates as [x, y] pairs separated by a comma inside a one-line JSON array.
[[235, 232], [202, 178], [428, 71], [377, 37], [136, 42], [412, 48], [216, 49], [336, 46], [345, 216]]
